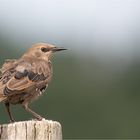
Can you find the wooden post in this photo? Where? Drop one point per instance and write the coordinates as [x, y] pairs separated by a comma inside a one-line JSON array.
[[31, 130]]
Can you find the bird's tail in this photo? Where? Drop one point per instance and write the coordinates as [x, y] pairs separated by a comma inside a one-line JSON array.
[[2, 97]]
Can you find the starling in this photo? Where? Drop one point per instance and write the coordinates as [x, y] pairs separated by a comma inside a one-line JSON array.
[[25, 79]]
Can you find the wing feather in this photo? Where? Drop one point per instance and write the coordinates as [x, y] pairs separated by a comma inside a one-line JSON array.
[[27, 76]]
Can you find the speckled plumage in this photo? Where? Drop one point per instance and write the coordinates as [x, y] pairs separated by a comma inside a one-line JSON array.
[[23, 80]]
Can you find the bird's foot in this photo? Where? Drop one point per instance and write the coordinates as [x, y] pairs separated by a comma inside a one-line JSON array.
[[39, 118], [11, 121]]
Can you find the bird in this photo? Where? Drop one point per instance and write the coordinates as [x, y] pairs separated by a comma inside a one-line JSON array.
[[25, 79]]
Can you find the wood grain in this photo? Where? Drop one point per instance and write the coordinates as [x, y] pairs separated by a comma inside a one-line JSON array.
[[31, 130]]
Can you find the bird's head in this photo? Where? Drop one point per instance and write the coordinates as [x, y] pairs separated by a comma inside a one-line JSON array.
[[42, 50]]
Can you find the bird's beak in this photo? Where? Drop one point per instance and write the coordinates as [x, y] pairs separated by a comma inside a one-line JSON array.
[[56, 49]]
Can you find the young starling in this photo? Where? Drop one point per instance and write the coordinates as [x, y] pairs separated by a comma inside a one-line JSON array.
[[23, 80]]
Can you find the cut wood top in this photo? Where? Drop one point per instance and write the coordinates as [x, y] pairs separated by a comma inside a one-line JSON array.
[[31, 130]]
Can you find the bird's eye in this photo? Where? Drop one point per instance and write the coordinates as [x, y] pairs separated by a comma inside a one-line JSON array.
[[44, 49]]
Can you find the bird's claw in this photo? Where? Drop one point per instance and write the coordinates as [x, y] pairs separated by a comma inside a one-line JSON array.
[[12, 121], [39, 119]]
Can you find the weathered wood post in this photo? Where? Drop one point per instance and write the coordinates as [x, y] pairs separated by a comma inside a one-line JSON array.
[[31, 130]]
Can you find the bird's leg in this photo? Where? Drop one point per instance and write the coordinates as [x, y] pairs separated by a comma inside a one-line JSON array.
[[25, 106], [7, 105]]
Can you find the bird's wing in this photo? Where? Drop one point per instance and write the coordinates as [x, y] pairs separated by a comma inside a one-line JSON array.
[[9, 64], [6, 73], [26, 76], [7, 70]]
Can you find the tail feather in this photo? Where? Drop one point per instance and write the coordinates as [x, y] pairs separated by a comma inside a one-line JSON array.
[[2, 97]]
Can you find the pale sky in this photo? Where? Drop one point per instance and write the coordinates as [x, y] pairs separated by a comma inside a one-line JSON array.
[[83, 22]]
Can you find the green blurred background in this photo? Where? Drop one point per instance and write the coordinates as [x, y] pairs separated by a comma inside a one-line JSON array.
[[95, 90]]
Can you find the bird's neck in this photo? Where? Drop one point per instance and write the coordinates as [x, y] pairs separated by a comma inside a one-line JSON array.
[[31, 58]]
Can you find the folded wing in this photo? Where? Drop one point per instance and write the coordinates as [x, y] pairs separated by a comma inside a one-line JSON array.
[[26, 76]]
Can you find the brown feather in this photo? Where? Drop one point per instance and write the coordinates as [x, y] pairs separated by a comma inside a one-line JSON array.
[[23, 80], [26, 75]]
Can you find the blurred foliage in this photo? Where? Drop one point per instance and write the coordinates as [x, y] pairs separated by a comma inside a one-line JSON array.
[[91, 99]]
